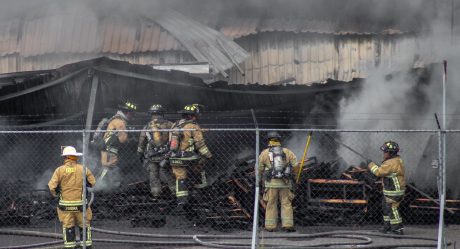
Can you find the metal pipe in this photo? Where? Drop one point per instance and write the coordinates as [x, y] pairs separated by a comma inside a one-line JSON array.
[[89, 121], [85, 139], [442, 169], [255, 220]]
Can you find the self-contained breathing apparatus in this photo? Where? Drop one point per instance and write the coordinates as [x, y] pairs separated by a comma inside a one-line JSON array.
[[280, 169], [177, 156], [155, 152]]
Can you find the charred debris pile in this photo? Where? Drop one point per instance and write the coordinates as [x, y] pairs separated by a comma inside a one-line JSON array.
[[324, 195]]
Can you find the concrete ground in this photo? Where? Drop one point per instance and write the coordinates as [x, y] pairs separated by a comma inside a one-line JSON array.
[[430, 231]]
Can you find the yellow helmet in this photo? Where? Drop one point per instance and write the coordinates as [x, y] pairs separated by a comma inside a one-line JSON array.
[[194, 109], [128, 106]]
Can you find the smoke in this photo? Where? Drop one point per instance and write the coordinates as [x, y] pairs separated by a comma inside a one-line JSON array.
[[407, 98]]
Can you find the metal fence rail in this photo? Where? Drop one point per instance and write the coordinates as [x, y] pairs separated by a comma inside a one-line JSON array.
[[334, 189]]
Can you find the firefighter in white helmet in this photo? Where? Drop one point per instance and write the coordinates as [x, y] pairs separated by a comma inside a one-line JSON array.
[[277, 165], [67, 183]]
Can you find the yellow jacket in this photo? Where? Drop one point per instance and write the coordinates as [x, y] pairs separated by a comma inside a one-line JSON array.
[[392, 171], [69, 179], [265, 165], [160, 138], [192, 140], [116, 127]]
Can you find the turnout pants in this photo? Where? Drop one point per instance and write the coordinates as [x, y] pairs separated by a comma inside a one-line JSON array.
[[391, 215], [155, 175], [110, 174], [71, 219], [271, 197], [185, 177]]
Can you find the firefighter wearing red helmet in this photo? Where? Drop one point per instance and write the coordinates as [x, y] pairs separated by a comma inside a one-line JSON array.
[[394, 186], [67, 183], [188, 153]]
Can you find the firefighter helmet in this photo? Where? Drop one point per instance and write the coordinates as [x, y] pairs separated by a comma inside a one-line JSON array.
[[193, 109], [128, 106], [273, 134], [390, 146], [156, 109], [70, 151]]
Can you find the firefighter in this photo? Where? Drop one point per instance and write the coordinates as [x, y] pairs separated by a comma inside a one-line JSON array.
[[114, 137], [394, 185], [188, 153], [153, 147], [67, 183], [277, 165]]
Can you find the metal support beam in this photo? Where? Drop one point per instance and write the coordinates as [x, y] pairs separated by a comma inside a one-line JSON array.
[[86, 136], [43, 86]]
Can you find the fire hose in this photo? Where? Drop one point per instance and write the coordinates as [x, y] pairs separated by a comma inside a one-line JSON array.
[[364, 240]]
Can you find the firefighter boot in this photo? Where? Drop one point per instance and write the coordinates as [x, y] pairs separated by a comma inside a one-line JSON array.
[[181, 194], [386, 227], [397, 229], [89, 241], [69, 238]]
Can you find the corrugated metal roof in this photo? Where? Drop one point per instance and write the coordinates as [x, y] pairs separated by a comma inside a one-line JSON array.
[[204, 43], [237, 28], [80, 33], [84, 33]]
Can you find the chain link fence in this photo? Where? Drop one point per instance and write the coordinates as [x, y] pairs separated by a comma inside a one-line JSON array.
[[333, 190]]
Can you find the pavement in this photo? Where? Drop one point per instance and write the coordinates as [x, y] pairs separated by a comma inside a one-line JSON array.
[[429, 231]]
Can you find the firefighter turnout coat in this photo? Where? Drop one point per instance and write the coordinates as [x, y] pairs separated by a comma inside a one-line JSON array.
[[278, 189], [392, 172]]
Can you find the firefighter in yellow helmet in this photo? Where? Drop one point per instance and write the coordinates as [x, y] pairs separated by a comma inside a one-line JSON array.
[[67, 183], [153, 147], [277, 165], [188, 153], [114, 137], [394, 185]]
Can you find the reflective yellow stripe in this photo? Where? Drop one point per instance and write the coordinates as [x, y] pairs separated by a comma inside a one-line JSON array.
[[204, 182], [89, 239], [70, 203], [270, 221], [397, 218], [180, 193], [386, 218], [374, 169], [393, 193], [204, 150]]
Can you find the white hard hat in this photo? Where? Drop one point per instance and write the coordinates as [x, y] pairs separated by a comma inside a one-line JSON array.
[[70, 151]]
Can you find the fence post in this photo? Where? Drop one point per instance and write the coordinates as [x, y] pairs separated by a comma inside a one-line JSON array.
[[85, 161], [255, 218], [441, 186], [255, 222]]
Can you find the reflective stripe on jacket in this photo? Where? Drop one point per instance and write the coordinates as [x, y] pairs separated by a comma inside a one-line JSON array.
[[392, 171], [69, 179]]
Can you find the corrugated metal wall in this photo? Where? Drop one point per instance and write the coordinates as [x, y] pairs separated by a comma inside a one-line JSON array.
[[279, 56]]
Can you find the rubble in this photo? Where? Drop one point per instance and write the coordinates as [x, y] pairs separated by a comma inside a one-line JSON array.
[[325, 194]]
